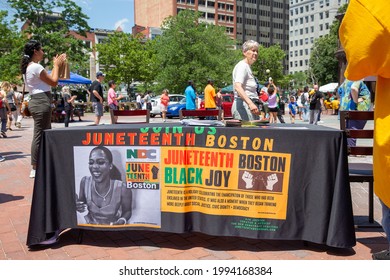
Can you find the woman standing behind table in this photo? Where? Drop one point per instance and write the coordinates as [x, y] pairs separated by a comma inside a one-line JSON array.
[[103, 194], [112, 99], [68, 104], [164, 104], [39, 84], [246, 100]]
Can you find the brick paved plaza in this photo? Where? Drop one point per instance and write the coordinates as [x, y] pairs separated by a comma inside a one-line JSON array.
[[15, 202]]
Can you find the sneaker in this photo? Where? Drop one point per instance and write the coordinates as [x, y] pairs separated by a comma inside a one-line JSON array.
[[382, 255], [32, 173], [3, 134], [320, 122], [2, 158]]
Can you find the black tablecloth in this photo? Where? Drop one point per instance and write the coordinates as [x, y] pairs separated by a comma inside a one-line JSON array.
[[207, 190]]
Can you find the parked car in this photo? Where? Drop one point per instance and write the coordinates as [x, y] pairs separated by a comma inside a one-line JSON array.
[[174, 109], [126, 103], [227, 102], [156, 105]]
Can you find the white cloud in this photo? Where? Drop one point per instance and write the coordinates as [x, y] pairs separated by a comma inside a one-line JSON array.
[[121, 23]]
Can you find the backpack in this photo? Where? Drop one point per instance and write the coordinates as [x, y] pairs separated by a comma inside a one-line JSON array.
[[303, 99]]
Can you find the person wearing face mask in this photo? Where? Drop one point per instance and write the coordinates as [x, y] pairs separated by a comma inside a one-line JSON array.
[[103, 195]]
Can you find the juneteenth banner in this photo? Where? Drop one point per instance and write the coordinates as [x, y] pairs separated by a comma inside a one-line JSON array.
[[264, 183], [176, 178]]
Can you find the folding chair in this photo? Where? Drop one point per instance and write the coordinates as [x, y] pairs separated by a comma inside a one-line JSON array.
[[360, 172]]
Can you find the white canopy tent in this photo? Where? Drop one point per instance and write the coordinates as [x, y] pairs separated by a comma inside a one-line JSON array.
[[328, 87]]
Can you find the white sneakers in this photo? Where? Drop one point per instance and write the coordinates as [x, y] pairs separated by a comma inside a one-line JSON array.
[[32, 173]]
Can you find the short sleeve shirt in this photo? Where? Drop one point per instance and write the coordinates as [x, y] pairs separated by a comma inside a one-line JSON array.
[[209, 97], [242, 74], [110, 97], [33, 81], [96, 85], [346, 101]]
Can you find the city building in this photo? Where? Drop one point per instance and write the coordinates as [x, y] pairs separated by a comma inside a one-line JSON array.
[[265, 21], [309, 20], [151, 13]]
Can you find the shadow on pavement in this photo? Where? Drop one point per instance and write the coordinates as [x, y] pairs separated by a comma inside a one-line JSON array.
[[4, 197]]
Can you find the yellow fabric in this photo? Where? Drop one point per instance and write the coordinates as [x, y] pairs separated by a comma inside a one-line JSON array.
[[365, 36]]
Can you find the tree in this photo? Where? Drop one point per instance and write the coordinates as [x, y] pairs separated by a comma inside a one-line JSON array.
[[190, 49], [52, 29], [11, 43], [323, 64], [125, 58], [269, 59]]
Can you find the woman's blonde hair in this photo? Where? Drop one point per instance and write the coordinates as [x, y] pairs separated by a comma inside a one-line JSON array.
[[64, 90], [250, 44], [6, 86], [165, 91]]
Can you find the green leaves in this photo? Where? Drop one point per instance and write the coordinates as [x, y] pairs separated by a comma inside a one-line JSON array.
[[11, 44], [126, 58], [52, 29], [190, 49]]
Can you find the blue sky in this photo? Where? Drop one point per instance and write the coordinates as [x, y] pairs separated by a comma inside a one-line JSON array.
[[109, 14], [105, 14]]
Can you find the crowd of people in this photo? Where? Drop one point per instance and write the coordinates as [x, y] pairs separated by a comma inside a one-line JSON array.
[[251, 103]]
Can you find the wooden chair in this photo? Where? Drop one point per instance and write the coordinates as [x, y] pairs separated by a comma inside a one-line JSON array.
[[360, 172], [201, 113], [129, 113]]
